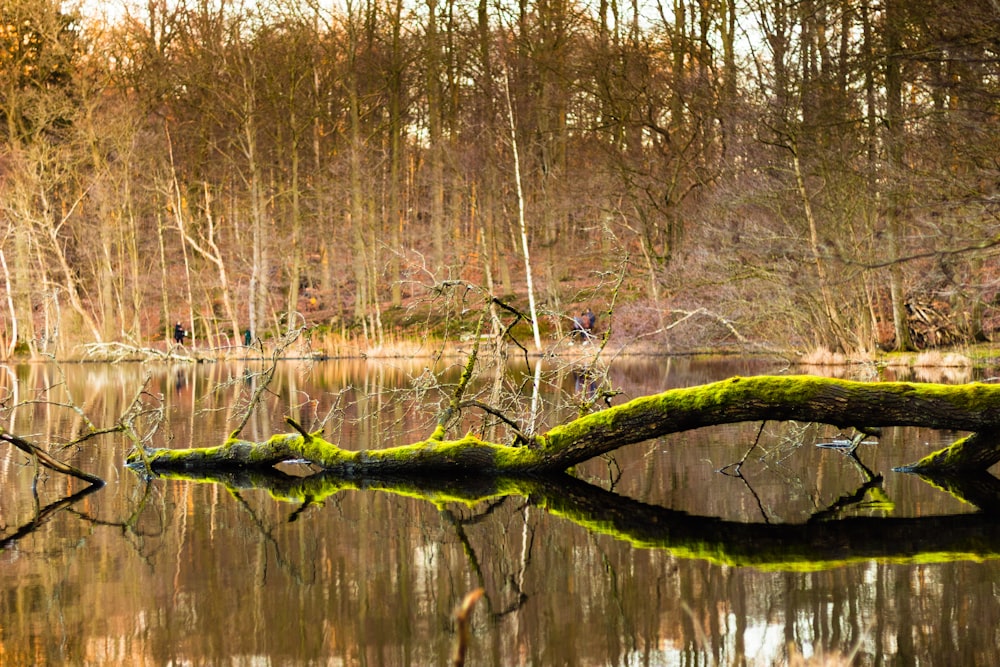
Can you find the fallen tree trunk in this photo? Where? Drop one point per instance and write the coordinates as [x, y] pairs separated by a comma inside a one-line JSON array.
[[970, 407]]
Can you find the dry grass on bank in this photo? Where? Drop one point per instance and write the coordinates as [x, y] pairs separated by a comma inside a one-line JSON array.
[[335, 346], [926, 359], [939, 359], [824, 357], [939, 366]]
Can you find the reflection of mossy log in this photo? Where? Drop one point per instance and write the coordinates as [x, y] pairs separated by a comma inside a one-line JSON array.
[[970, 407], [814, 545]]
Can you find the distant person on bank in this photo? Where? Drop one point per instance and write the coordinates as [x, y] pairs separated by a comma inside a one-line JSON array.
[[583, 326]]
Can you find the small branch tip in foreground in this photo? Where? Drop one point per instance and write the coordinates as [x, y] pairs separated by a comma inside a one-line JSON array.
[[462, 622]]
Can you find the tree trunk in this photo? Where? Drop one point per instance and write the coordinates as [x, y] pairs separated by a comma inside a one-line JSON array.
[[11, 343], [22, 280], [356, 210], [165, 318], [294, 261], [522, 225], [895, 198], [842, 403], [833, 335], [435, 130]]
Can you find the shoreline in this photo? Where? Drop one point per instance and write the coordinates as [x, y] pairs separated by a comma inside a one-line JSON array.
[[982, 355]]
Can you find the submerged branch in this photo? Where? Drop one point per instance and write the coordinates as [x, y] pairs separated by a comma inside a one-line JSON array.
[[48, 461]]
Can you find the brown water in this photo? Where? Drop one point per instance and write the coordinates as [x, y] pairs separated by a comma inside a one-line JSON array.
[[652, 558]]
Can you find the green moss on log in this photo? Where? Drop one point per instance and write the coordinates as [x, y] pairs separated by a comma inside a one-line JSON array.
[[972, 453], [843, 403], [426, 456]]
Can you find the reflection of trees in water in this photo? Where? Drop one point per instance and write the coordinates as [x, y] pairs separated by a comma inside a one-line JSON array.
[[695, 583], [714, 542], [492, 573], [571, 572]]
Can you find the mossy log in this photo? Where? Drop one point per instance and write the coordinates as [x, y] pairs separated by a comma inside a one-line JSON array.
[[970, 407]]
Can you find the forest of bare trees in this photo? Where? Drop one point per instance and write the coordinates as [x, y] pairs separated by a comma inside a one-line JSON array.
[[807, 173]]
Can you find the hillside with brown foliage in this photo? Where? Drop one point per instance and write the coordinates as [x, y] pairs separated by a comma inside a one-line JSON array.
[[773, 174]]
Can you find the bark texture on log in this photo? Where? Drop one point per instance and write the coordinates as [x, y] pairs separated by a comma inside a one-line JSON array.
[[843, 403]]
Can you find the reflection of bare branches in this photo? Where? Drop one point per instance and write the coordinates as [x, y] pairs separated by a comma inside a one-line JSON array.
[[307, 503], [737, 472], [871, 486], [856, 499], [739, 464], [139, 421], [268, 537], [470, 553], [793, 435], [44, 514], [760, 505], [131, 524], [459, 523], [129, 527], [616, 595]]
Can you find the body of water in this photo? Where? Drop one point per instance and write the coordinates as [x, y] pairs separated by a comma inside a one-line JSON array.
[[647, 557]]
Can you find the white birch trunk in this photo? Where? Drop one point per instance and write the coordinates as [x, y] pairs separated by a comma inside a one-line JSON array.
[[520, 214]]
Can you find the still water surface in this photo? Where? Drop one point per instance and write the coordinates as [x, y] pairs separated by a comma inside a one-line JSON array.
[[651, 557]]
